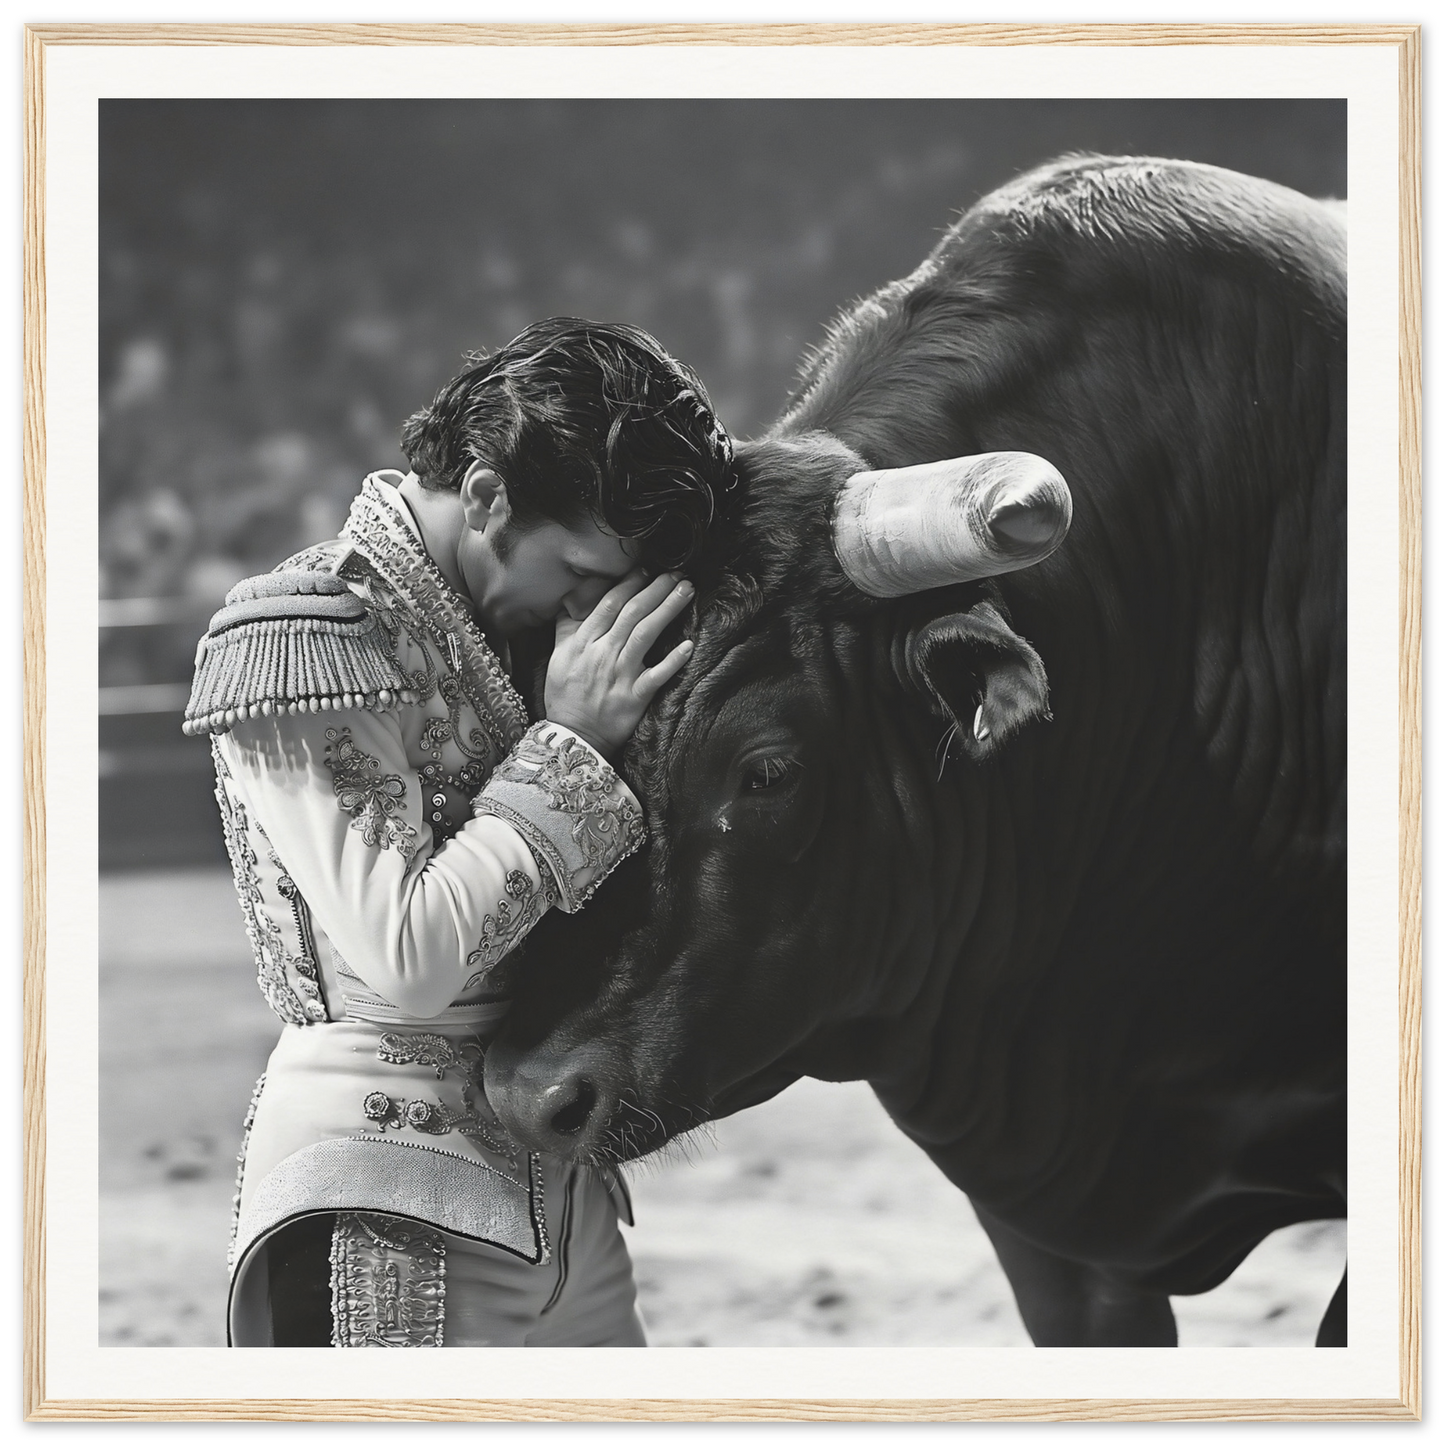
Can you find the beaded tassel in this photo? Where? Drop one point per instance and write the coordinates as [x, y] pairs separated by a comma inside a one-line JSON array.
[[293, 665]]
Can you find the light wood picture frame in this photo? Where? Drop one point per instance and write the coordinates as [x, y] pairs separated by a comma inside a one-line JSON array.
[[44, 44]]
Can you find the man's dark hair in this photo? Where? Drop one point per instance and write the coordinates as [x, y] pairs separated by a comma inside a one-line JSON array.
[[582, 418]]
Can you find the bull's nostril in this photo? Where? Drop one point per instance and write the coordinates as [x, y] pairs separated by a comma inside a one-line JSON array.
[[570, 1118]]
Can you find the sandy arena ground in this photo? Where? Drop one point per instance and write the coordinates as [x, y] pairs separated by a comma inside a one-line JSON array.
[[808, 1221]]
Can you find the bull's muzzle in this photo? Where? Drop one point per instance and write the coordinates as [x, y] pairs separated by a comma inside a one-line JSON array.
[[552, 1102]]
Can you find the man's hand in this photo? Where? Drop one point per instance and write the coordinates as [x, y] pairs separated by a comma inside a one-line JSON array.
[[596, 683]]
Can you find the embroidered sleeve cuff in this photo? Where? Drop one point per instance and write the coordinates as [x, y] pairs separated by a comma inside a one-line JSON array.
[[569, 804]]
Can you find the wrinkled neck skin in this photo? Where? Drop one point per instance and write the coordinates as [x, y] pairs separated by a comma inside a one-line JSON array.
[[925, 913], [953, 894], [1096, 959], [905, 930]]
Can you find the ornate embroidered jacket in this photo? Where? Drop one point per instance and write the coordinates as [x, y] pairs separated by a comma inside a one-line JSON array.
[[396, 827]]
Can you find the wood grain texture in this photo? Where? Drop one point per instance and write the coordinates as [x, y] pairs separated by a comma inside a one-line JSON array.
[[1411, 541], [689, 1411], [844, 34], [1407, 1406], [33, 1086]]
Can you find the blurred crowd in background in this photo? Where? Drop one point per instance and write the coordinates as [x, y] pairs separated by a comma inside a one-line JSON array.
[[283, 282]]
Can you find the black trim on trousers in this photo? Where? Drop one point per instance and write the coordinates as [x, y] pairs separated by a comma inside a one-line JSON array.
[[563, 1242]]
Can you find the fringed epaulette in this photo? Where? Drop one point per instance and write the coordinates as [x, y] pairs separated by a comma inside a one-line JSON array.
[[292, 642]]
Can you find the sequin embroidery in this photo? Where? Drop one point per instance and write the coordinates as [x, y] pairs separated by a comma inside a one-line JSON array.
[[517, 912], [607, 824], [268, 944], [384, 541], [474, 1118], [388, 1283], [370, 797]]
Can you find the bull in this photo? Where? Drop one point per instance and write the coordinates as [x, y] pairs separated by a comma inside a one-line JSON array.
[[1054, 857]]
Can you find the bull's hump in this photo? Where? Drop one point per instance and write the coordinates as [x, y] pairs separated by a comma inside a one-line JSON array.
[[1000, 295]]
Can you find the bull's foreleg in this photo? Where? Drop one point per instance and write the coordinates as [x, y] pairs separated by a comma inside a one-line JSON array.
[[1066, 1303], [1334, 1331]]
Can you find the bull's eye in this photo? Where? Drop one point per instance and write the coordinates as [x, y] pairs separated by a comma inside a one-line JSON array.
[[761, 774]]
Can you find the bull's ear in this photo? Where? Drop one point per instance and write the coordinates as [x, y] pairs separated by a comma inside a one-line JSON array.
[[980, 674]]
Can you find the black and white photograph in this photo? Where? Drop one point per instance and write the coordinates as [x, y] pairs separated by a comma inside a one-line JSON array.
[[722, 722]]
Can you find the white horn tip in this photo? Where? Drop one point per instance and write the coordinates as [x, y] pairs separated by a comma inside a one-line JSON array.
[[1031, 508], [908, 529], [1024, 522]]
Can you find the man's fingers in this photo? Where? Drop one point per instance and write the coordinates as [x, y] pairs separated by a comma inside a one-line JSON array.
[[648, 682], [641, 605], [599, 621], [650, 627]]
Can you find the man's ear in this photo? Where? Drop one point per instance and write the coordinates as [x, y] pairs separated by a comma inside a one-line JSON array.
[[978, 673], [484, 496]]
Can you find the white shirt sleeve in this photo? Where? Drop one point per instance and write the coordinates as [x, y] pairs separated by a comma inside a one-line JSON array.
[[339, 801]]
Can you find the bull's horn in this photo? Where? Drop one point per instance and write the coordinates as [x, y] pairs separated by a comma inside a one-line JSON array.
[[912, 528]]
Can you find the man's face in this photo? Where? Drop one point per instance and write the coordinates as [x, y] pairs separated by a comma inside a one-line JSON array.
[[527, 577]]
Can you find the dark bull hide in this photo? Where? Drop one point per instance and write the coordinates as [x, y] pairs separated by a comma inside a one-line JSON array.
[[1093, 959]]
